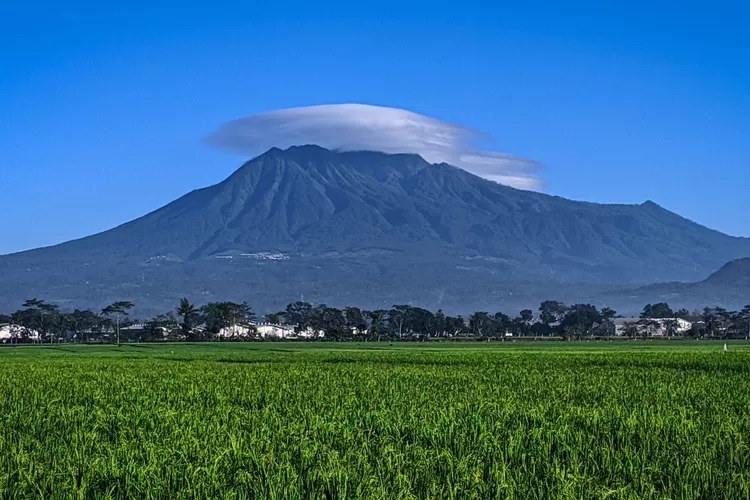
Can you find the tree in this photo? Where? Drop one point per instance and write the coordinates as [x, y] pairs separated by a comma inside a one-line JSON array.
[[276, 318], [83, 323], [241, 315], [608, 314], [118, 309], [580, 318], [670, 327], [419, 321], [455, 325], [222, 315], [523, 322], [188, 312], [735, 323], [161, 326], [683, 314], [438, 324], [540, 329], [397, 317], [330, 321], [716, 320], [657, 311], [298, 313], [527, 316], [551, 312], [502, 324], [378, 320], [38, 316], [745, 316], [61, 326], [23, 320], [356, 322], [631, 329], [479, 323], [697, 330], [215, 316]]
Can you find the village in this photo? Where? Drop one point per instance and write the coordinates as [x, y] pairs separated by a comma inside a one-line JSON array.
[[622, 328]]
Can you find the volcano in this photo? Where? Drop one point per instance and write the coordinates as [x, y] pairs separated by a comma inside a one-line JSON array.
[[369, 229]]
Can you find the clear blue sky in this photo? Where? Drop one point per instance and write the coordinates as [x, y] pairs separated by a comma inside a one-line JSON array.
[[103, 110]]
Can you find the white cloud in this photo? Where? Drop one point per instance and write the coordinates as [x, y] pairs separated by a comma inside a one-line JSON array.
[[355, 127]]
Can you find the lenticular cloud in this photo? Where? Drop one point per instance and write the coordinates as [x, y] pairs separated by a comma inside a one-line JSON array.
[[357, 127]]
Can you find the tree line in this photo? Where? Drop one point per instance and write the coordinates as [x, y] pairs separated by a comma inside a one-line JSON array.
[[41, 321]]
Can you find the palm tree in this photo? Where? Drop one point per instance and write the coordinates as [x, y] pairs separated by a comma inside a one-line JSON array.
[[187, 311]]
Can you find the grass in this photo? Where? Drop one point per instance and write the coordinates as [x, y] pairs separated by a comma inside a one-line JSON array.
[[296, 420]]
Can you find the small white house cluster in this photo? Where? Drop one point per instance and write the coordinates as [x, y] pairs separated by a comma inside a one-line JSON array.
[[267, 331], [652, 327], [9, 333]]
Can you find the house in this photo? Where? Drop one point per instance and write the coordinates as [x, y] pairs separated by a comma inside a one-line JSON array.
[[651, 327], [266, 331], [236, 332], [7, 333], [13, 333], [284, 331], [606, 328], [275, 331]]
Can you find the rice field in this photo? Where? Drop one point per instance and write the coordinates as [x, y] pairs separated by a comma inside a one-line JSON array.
[[293, 421]]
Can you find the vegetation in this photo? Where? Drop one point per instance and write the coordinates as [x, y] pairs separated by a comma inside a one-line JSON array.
[[118, 310], [44, 322], [319, 421]]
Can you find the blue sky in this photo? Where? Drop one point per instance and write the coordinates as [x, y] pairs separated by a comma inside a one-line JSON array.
[[104, 110]]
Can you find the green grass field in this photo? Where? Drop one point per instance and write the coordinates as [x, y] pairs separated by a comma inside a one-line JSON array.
[[289, 420]]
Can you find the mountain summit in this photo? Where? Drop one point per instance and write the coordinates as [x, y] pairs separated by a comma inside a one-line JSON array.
[[368, 228]]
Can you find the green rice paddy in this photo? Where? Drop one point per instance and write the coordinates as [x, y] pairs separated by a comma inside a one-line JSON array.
[[295, 420]]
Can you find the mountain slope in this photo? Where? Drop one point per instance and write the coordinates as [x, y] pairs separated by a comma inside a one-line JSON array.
[[728, 287], [734, 274], [366, 227]]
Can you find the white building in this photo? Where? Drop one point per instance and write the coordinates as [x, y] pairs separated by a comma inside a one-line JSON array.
[[267, 331], [654, 327], [236, 332], [275, 331], [10, 332]]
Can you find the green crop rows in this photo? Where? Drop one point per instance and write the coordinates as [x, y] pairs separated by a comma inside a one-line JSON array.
[[290, 421]]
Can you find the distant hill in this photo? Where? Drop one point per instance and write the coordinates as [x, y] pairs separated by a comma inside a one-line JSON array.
[[728, 287], [735, 274], [372, 229]]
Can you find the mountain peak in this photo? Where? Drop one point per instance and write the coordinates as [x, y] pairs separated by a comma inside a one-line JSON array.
[[309, 152], [307, 148]]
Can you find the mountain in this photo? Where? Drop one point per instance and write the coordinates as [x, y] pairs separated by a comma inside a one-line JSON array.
[[727, 287], [372, 229], [735, 274]]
